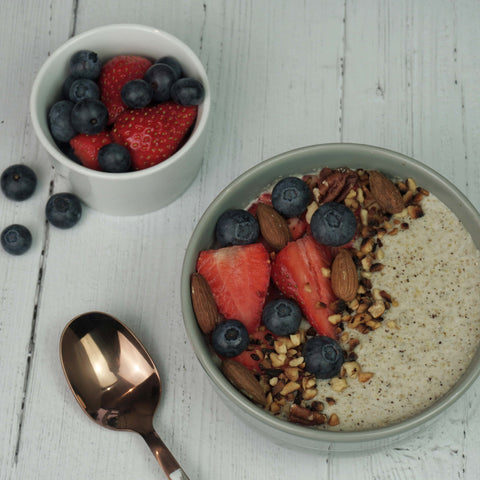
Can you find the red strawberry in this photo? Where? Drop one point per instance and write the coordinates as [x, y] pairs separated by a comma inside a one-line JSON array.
[[265, 197], [86, 148], [297, 272], [260, 340], [114, 75], [238, 277], [297, 226], [153, 134]]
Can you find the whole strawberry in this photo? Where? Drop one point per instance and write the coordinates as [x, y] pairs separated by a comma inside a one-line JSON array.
[[115, 73], [154, 133], [86, 147]]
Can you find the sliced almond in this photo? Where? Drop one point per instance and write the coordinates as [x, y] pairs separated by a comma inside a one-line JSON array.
[[344, 276], [385, 192], [244, 380], [273, 226], [203, 303]]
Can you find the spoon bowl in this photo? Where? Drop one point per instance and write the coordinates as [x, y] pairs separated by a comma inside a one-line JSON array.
[[114, 380]]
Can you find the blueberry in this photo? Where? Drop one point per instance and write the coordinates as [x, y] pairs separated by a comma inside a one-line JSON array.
[[282, 316], [187, 91], [82, 88], [230, 338], [236, 227], [136, 93], [89, 116], [333, 224], [323, 357], [63, 210], [114, 158], [59, 120], [291, 196], [85, 64], [67, 83], [160, 77], [16, 239], [18, 182], [174, 64]]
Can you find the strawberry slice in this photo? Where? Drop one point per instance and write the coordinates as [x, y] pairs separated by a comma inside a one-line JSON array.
[[238, 277], [153, 134], [86, 147], [297, 272], [260, 340], [114, 75], [297, 226]]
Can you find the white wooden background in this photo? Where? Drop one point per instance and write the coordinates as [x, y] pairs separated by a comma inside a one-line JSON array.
[[401, 74]]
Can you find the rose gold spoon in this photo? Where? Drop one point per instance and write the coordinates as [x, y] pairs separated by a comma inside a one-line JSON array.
[[114, 380]]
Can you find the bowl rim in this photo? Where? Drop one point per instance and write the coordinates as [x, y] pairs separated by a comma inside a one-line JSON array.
[[200, 124], [256, 413]]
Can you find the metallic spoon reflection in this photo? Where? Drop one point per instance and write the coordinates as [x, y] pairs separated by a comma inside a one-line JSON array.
[[114, 380]]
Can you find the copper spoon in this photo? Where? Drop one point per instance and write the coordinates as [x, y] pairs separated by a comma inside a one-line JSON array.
[[114, 380]]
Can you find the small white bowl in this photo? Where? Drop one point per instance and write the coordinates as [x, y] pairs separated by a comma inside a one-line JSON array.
[[131, 193]]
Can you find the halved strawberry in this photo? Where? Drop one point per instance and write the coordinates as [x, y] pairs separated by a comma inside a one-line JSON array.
[[153, 134], [297, 226], [238, 277], [114, 75], [260, 340], [297, 272], [86, 147], [265, 197]]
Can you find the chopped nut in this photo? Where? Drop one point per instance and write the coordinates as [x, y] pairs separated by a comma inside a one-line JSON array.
[[280, 347], [338, 384], [296, 362], [311, 209], [306, 416], [289, 388], [292, 373], [365, 376], [411, 184], [277, 360], [333, 420], [273, 381], [296, 339], [310, 393], [326, 272], [334, 319], [352, 369], [377, 309], [392, 324]]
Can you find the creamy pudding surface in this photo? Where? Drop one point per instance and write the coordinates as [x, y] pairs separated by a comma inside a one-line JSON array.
[[431, 332]]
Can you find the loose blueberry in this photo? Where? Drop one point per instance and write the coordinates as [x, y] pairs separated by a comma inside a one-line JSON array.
[[333, 224], [136, 93], [16, 239], [85, 64], [82, 88], [89, 116], [160, 77], [236, 227], [291, 196], [63, 210], [187, 92], [282, 316], [114, 158], [18, 182], [174, 64], [59, 120], [230, 338], [323, 357]]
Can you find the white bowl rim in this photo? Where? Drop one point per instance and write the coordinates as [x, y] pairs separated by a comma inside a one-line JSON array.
[[70, 164], [256, 413]]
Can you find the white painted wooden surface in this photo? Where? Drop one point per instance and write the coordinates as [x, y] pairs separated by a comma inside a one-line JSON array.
[[401, 74]]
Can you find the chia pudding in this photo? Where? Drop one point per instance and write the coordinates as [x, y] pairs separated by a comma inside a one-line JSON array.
[[401, 333]]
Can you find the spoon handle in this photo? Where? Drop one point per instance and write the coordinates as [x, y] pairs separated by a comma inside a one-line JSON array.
[[164, 456]]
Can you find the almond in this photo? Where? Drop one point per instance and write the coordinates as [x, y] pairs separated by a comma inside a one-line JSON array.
[[203, 303], [244, 379], [273, 226], [344, 276], [385, 192]]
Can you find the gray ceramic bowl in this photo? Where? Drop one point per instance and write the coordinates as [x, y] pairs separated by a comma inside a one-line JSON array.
[[238, 194]]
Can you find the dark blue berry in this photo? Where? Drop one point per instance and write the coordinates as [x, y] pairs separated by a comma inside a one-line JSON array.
[[174, 64], [236, 227], [114, 158], [323, 357], [136, 93], [82, 88], [16, 239], [89, 116], [85, 64], [230, 338], [67, 83], [59, 120], [63, 210], [291, 196], [18, 182], [333, 224], [187, 91], [160, 77], [282, 316]]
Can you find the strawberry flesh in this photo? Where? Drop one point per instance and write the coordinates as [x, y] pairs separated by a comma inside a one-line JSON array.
[[297, 272], [86, 147], [239, 277], [153, 134]]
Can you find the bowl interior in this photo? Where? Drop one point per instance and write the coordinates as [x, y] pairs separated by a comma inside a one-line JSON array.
[[245, 189]]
